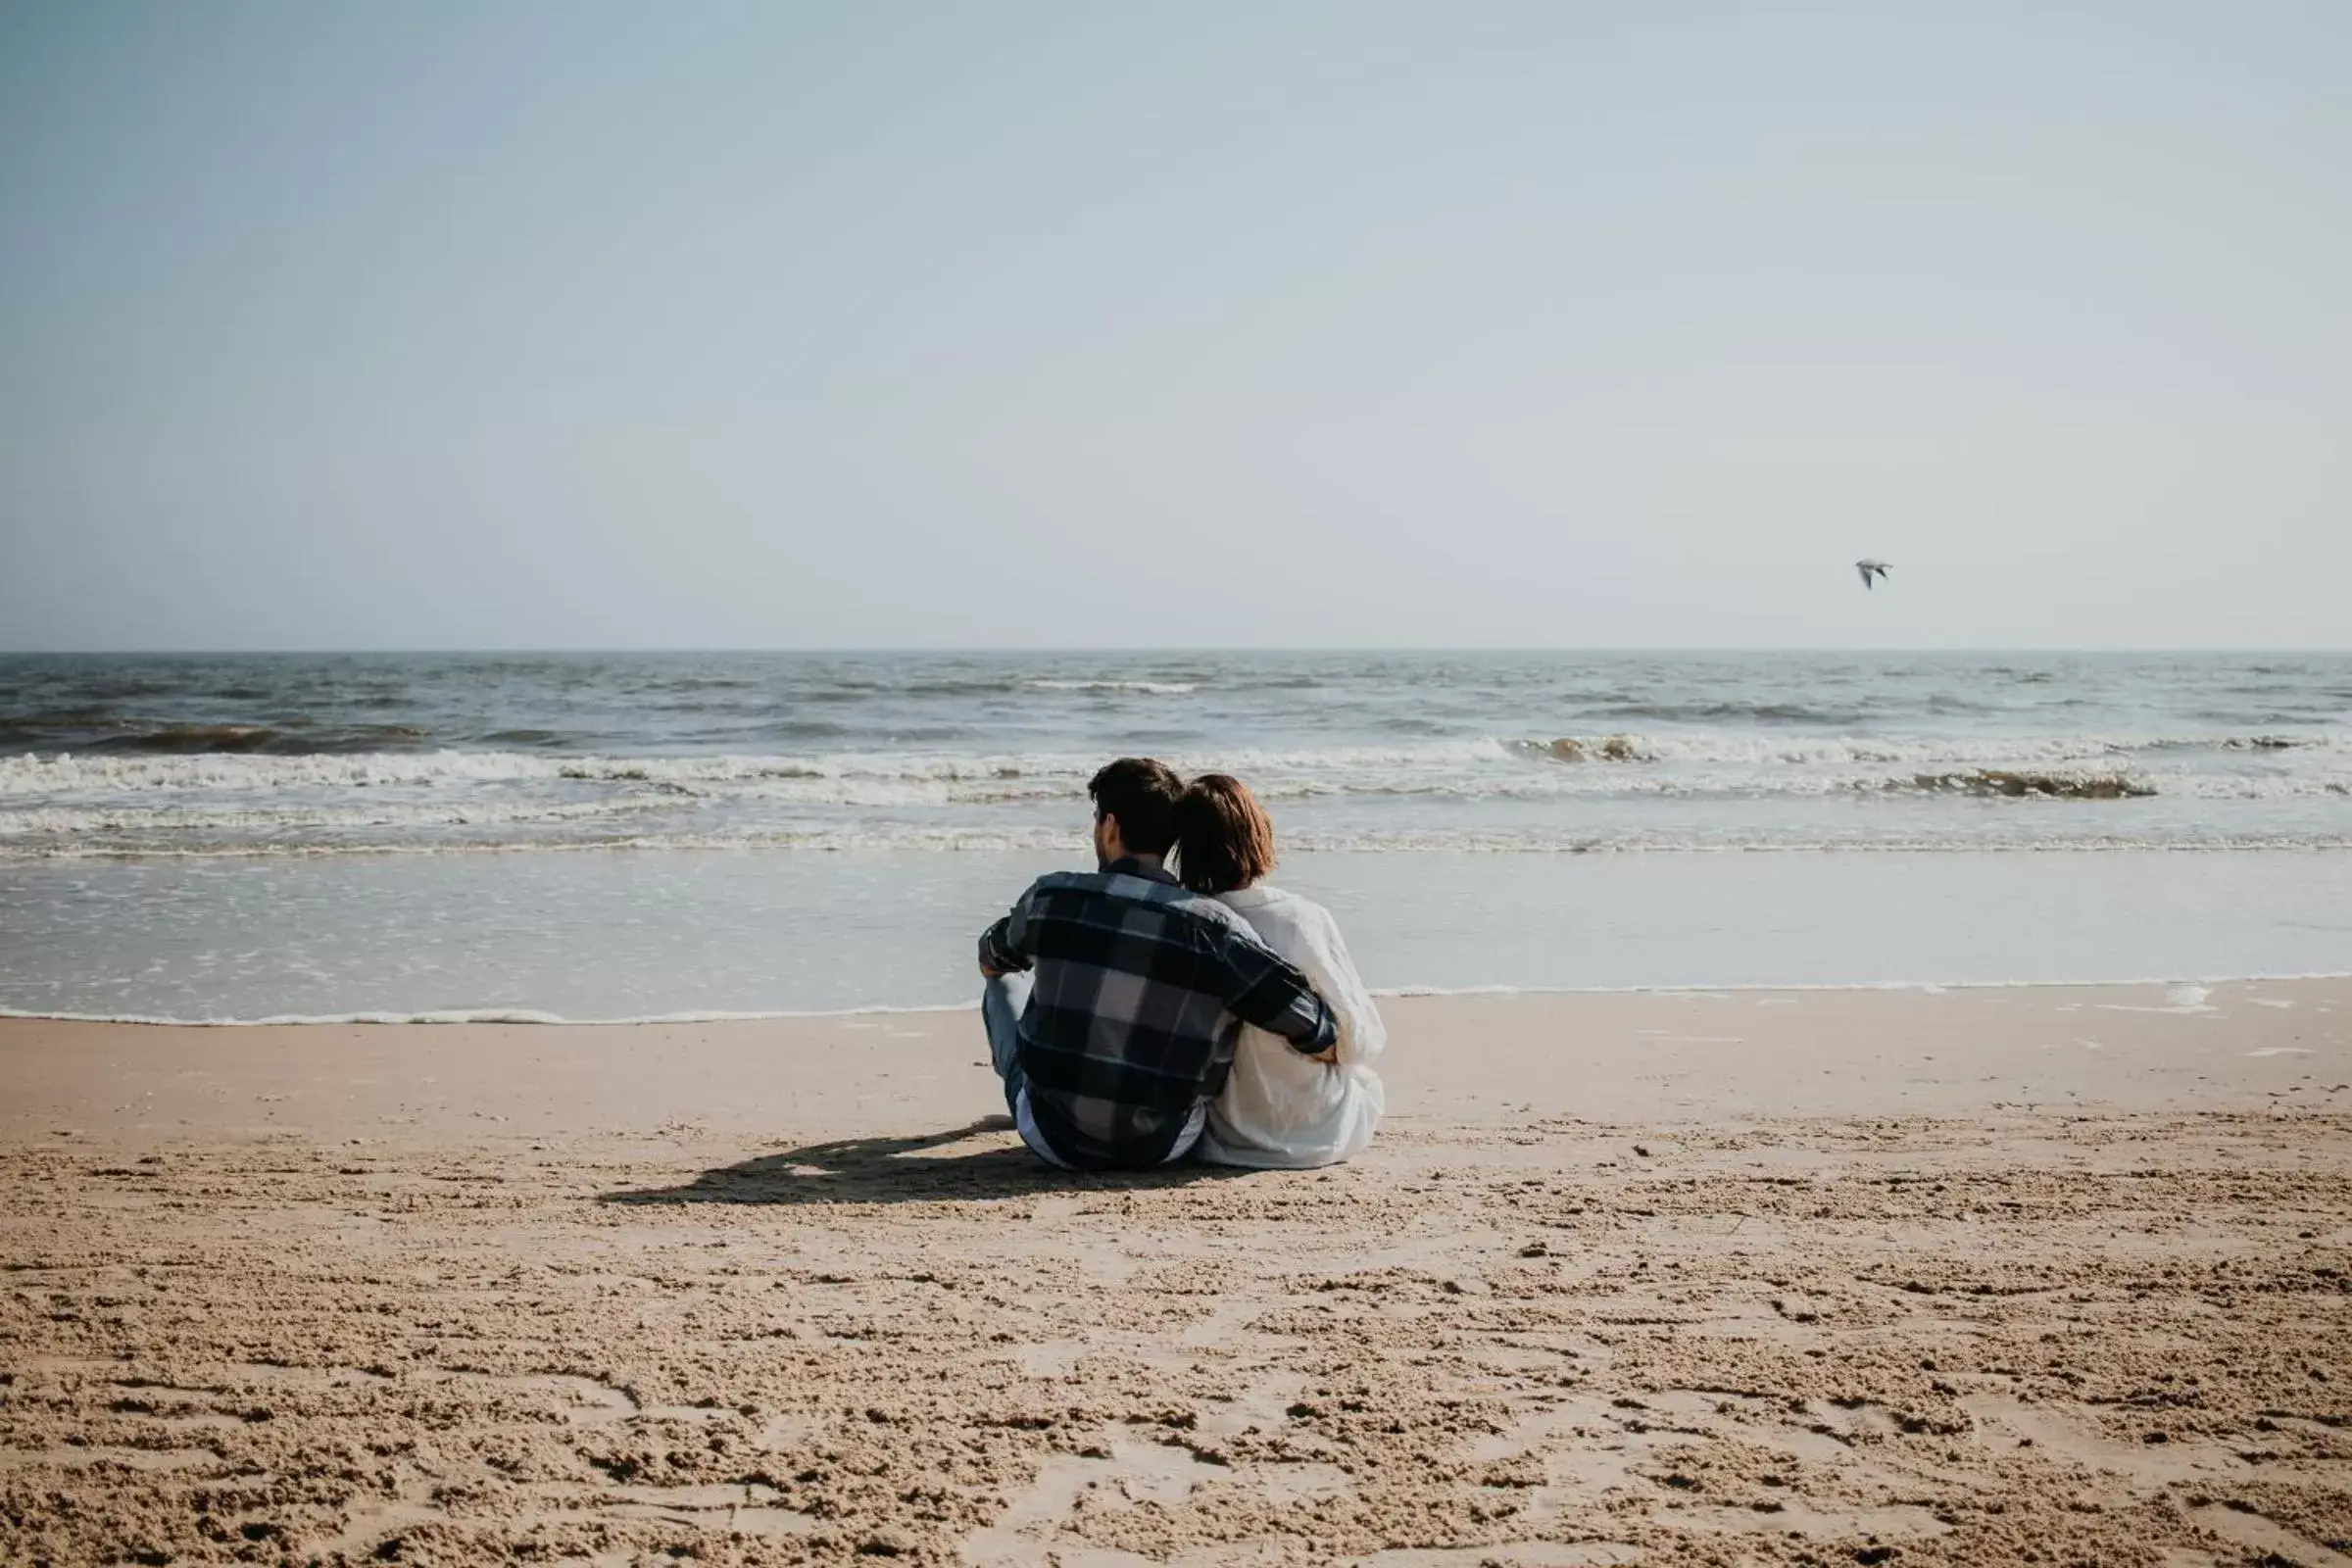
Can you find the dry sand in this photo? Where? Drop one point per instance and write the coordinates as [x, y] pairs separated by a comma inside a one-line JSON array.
[[2034, 1275]]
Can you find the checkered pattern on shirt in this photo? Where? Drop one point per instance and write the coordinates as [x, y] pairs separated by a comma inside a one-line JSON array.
[[1141, 992]]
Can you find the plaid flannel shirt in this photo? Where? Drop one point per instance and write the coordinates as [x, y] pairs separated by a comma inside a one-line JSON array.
[[1141, 987]]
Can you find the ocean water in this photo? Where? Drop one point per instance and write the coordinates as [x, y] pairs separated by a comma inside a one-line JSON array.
[[627, 834]]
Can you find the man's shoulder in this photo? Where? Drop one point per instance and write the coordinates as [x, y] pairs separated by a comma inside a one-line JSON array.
[[1095, 883], [1125, 887]]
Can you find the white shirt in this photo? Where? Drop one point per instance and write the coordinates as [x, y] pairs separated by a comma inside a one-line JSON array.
[[1281, 1109]]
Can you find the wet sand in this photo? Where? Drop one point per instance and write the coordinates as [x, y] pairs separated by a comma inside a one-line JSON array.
[[2051, 1275]]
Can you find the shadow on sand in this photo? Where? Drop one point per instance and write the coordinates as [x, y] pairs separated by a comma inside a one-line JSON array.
[[902, 1170]]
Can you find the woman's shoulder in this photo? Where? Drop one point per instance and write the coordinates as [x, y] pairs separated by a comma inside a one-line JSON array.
[[1266, 896], [1265, 905]]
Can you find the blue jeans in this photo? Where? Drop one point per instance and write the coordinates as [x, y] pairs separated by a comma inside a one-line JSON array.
[[1003, 1000]]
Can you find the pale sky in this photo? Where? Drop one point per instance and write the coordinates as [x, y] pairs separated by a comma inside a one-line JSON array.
[[340, 324]]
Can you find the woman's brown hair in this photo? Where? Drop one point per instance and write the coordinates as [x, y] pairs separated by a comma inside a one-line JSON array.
[[1224, 839]]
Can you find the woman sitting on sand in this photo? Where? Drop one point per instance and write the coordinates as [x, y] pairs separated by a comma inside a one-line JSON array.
[[1280, 1109]]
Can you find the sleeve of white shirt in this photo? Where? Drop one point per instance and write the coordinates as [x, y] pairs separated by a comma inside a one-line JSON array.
[[1362, 1035]]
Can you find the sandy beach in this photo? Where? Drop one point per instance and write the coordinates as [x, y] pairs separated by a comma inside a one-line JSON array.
[[2036, 1275]]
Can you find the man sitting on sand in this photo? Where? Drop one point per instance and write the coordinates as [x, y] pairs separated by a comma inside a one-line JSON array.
[[1115, 997]]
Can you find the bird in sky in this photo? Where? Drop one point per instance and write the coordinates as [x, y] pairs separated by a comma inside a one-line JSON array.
[[1870, 566]]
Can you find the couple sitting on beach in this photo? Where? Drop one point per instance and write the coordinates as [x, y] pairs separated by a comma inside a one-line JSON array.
[[1140, 1017]]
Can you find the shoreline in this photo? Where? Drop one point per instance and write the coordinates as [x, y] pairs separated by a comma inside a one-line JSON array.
[[532, 1017], [1056, 842]]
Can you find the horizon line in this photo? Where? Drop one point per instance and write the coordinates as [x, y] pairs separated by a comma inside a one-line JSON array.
[[1143, 649]]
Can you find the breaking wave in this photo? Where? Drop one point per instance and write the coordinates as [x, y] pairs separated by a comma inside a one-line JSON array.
[[1065, 842], [1709, 788], [250, 764], [1150, 688], [2013, 785], [100, 732], [1625, 765], [33, 774], [1990, 749]]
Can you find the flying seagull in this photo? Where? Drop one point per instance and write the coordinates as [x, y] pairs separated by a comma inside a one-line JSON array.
[[1867, 566]]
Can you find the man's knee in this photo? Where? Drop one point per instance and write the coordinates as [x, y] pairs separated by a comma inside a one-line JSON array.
[[1001, 1002]]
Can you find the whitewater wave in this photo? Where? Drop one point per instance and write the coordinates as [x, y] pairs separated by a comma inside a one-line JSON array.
[[1150, 688], [133, 844], [453, 786], [1988, 750], [36, 774], [167, 823], [1715, 790], [32, 774], [2011, 784], [99, 732]]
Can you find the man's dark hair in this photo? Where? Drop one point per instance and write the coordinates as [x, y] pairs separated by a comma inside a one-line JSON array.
[[1143, 795]]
